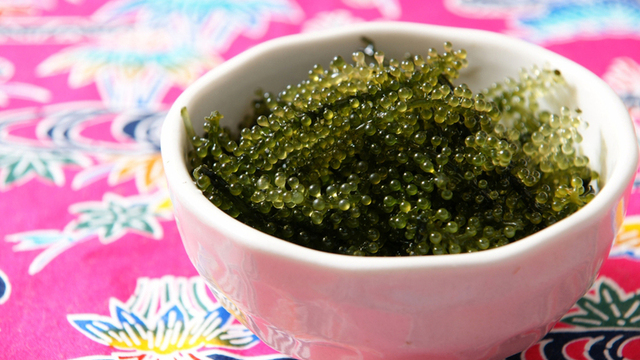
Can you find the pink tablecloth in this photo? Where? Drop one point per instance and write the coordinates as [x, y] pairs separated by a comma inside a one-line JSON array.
[[91, 263]]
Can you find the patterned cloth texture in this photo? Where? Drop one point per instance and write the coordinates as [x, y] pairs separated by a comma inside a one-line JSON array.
[[91, 262]]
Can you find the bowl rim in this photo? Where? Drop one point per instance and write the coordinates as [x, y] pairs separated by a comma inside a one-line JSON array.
[[181, 186]]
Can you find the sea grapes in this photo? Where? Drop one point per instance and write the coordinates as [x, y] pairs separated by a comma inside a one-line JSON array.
[[390, 158]]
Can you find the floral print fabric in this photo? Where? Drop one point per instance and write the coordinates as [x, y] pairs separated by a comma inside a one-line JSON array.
[[91, 262]]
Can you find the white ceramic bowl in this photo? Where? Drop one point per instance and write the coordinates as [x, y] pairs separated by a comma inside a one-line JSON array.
[[314, 305]]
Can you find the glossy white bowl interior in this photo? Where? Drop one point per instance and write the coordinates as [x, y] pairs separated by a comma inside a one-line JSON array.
[[314, 305]]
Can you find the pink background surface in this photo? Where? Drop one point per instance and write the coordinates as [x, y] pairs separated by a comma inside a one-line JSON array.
[[36, 305]]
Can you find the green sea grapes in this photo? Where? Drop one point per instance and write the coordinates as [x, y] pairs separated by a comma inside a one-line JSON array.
[[389, 158]]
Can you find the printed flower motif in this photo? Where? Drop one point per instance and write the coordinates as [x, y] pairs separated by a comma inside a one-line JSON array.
[[114, 216], [142, 162], [131, 151], [63, 126], [109, 220], [54, 242], [627, 242], [145, 169], [18, 166], [18, 90], [329, 20], [557, 20], [167, 318], [606, 305], [212, 24], [133, 67], [160, 45], [5, 287], [389, 9], [133, 51], [604, 324]]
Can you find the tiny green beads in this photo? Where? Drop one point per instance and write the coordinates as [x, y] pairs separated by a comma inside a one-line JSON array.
[[390, 158]]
